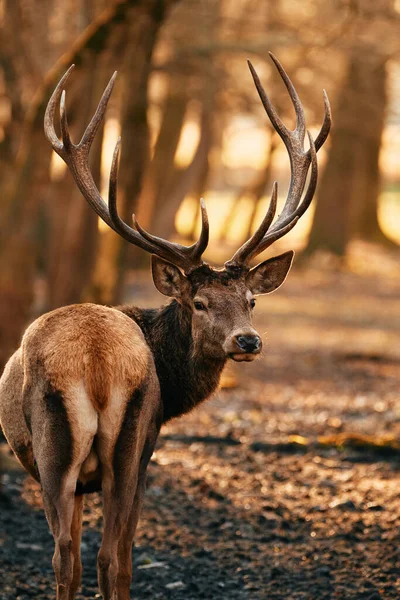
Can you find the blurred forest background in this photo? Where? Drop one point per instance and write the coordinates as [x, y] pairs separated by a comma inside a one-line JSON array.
[[192, 125], [286, 483]]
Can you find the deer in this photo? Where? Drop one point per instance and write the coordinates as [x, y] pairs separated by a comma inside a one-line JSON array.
[[84, 397]]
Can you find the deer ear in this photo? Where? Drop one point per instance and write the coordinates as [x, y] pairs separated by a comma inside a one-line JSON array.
[[167, 278], [270, 274]]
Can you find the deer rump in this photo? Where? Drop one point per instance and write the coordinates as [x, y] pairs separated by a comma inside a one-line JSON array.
[[81, 390]]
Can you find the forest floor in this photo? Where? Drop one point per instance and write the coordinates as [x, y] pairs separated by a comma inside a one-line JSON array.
[[286, 485]]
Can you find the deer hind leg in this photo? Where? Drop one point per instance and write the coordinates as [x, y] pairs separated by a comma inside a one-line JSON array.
[[59, 512], [65, 519], [115, 515], [60, 452], [120, 470], [76, 535], [127, 537]]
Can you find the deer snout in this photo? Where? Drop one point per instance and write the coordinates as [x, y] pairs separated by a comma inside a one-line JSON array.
[[249, 343], [243, 345]]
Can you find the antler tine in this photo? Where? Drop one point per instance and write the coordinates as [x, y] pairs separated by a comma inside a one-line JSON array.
[[189, 256], [49, 130], [301, 209], [293, 140], [299, 162], [272, 237], [298, 108], [76, 157], [254, 241], [66, 138], [326, 125], [266, 102], [169, 249], [149, 242], [279, 229], [97, 118], [202, 243], [118, 224]]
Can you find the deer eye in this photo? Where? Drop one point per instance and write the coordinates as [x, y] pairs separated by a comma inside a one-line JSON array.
[[252, 303], [199, 305]]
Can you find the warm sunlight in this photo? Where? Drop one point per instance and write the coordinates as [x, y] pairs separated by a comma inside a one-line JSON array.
[[110, 136], [187, 144], [245, 146]]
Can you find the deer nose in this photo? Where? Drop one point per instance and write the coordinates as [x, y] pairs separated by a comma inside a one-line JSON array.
[[248, 343]]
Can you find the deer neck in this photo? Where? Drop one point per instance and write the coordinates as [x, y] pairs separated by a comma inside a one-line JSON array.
[[186, 376]]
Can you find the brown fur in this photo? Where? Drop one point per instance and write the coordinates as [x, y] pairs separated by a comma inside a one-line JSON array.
[[89, 342], [82, 401], [64, 397], [85, 397]]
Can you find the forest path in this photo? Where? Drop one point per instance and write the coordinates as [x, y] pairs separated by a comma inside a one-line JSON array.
[[284, 486]]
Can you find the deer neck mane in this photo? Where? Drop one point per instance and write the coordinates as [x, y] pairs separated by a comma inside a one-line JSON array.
[[187, 377]]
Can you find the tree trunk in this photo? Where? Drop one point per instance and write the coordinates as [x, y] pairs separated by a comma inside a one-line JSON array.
[[144, 24], [18, 252], [185, 181], [368, 185], [259, 188], [349, 188], [256, 190], [72, 223], [79, 253], [199, 190], [162, 171], [26, 188]]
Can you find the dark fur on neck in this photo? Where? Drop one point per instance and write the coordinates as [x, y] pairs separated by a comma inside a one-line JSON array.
[[186, 379]]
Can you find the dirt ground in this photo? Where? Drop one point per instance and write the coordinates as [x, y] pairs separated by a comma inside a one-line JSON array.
[[284, 486]]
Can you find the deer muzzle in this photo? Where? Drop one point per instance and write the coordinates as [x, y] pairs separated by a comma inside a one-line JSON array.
[[244, 346]]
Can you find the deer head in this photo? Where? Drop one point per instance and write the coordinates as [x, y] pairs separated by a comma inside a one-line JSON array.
[[220, 300]]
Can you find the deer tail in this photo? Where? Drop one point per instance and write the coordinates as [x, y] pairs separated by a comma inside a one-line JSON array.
[[98, 378]]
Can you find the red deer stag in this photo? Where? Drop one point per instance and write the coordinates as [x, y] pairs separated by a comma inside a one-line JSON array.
[[83, 399]]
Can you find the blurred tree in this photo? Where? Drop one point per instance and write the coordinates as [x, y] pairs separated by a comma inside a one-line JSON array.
[[26, 161], [142, 27], [200, 52], [255, 190], [202, 85], [72, 230], [161, 170], [349, 189], [183, 181]]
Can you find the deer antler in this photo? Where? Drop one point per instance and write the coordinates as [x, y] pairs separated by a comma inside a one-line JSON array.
[[190, 257], [76, 157], [300, 161]]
